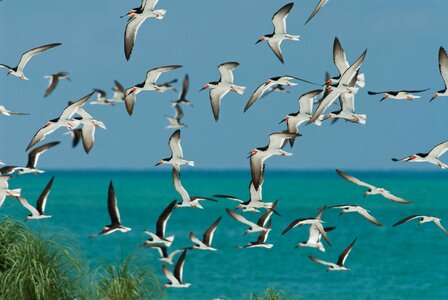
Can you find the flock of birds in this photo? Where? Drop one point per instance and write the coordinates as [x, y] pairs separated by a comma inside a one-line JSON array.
[[343, 87]]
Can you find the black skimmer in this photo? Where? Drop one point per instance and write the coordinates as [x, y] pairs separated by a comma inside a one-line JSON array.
[[342, 87], [218, 89], [316, 222], [319, 5], [314, 237], [88, 128], [177, 157], [18, 70], [54, 80], [136, 18], [183, 93], [341, 63], [431, 157], [357, 209], [175, 121], [339, 266], [276, 38], [114, 215], [270, 83], [148, 85], [6, 112], [168, 86], [443, 67], [187, 200], [276, 88], [261, 241], [159, 237], [423, 219], [294, 120], [164, 256], [347, 108], [64, 120], [207, 238], [5, 191], [399, 95], [33, 158], [258, 156], [372, 190], [253, 227], [39, 211], [101, 98], [176, 279]]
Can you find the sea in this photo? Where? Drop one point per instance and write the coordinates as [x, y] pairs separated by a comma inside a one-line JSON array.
[[405, 262]]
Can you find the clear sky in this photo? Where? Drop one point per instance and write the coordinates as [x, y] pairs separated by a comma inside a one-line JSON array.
[[402, 37]]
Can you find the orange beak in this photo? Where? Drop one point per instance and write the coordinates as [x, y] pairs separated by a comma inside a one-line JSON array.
[[204, 87]]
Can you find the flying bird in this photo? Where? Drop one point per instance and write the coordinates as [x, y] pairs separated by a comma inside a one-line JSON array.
[[253, 227], [183, 93], [218, 89], [114, 215], [399, 95], [423, 219], [176, 279], [357, 209], [187, 200], [54, 80], [101, 98], [148, 85], [443, 67], [372, 190], [38, 212], [5, 191], [316, 222], [314, 237], [261, 241], [207, 238], [159, 237], [89, 125], [18, 70], [347, 108], [319, 5], [164, 256], [276, 38], [431, 157], [177, 157], [340, 264], [175, 121], [6, 112]]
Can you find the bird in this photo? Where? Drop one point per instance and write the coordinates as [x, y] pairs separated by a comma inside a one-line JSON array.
[[187, 200], [261, 241], [183, 93], [177, 157], [314, 237], [18, 70], [284, 80], [76, 135], [207, 238], [101, 98], [118, 96], [399, 95], [342, 87], [347, 108], [317, 222], [5, 191], [159, 237], [340, 264], [341, 63], [319, 5], [168, 86], [54, 80], [431, 157], [175, 121], [148, 85], [259, 155], [253, 227], [276, 38], [136, 18], [423, 219], [114, 215], [218, 89], [38, 212], [358, 209], [33, 158], [64, 120], [164, 256], [88, 128], [6, 112], [294, 120], [372, 190], [443, 68], [176, 279], [276, 88]]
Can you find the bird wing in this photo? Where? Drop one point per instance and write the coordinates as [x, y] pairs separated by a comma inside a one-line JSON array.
[[163, 219], [439, 224], [240, 218], [369, 217], [277, 140], [169, 275], [118, 87], [30, 53], [4, 181], [443, 65], [179, 268], [42, 133], [216, 95], [112, 207], [339, 57], [323, 233], [324, 104], [150, 4], [33, 156], [185, 85], [316, 9], [72, 108], [394, 198], [28, 206], [257, 94], [129, 102], [407, 219], [439, 150], [279, 18], [154, 74], [42, 200], [179, 187], [54, 79], [322, 262], [352, 71], [207, 238], [88, 136], [130, 34], [343, 256], [265, 217], [354, 180], [306, 101], [275, 46], [174, 143], [256, 170], [179, 111], [225, 70]]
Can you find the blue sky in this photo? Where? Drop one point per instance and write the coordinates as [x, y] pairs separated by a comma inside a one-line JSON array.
[[402, 38]]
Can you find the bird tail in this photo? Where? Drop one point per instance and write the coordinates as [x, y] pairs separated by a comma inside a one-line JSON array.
[[190, 163], [294, 37], [15, 192], [319, 120], [361, 80], [362, 119], [239, 89], [160, 13]]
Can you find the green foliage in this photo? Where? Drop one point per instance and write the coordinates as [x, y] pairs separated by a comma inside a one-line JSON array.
[[270, 294]]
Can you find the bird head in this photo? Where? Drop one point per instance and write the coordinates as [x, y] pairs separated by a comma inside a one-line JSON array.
[[252, 153], [260, 40], [206, 86]]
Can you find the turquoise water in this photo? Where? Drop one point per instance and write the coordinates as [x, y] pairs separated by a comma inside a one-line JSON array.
[[409, 261]]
